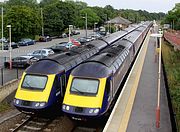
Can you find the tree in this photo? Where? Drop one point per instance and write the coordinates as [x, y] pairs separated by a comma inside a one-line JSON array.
[[58, 16], [91, 16], [25, 22], [29, 3], [173, 17]]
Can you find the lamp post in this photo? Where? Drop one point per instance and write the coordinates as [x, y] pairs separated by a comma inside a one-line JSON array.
[[86, 23], [2, 28], [42, 22], [159, 36], [95, 26], [10, 60], [70, 32]]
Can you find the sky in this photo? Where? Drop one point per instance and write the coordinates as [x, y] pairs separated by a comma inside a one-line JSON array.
[[148, 5]]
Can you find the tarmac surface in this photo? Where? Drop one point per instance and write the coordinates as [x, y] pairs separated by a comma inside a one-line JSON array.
[[143, 116]]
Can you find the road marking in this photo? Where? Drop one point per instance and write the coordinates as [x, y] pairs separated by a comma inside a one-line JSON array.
[[136, 74]]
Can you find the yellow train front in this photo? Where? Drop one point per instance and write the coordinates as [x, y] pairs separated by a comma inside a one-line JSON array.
[[93, 85], [40, 87]]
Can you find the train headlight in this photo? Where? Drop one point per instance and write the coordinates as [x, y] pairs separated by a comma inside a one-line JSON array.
[[64, 107], [37, 104], [17, 101], [91, 111], [96, 111], [42, 104], [67, 107]]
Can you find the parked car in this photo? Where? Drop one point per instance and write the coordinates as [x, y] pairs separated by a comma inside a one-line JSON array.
[[102, 33], [45, 38], [63, 35], [60, 47], [84, 40], [13, 45], [75, 32], [21, 61], [41, 53], [4, 40], [26, 42], [95, 36]]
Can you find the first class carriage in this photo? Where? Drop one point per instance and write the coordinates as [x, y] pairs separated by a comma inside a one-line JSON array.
[[43, 84], [92, 86]]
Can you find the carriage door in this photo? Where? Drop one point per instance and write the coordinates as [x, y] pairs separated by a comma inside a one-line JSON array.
[[63, 84]]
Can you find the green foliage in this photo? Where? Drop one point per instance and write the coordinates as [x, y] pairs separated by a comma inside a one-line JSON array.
[[91, 16], [4, 106], [58, 16], [172, 67], [25, 16], [173, 17], [24, 21], [29, 3]]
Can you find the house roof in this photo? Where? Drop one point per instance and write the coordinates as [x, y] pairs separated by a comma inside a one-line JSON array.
[[119, 20]]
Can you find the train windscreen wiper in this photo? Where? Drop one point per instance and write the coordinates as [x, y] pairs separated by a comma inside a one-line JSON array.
[[79, 91]]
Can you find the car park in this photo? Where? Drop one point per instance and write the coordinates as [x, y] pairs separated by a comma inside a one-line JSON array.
[[75, 32], [95, 36], [60, 47], [26, 42], [63, 35], [13, 45], [3, 40], [84, 40], [22, 61], [102, 33], [41, 53]]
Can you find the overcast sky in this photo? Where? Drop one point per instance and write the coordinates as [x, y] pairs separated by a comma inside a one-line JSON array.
[[148, 5]]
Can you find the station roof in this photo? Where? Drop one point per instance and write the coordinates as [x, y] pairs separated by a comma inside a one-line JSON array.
[[119, 20]]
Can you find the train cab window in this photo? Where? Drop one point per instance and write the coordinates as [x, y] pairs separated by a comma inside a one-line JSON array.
[[84, 87], [30, 82]]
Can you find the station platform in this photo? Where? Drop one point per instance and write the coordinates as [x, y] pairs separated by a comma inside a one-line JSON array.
[[135, 109]]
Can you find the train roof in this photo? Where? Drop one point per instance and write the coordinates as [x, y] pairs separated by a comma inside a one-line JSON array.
[[64, 61], [45, 67], [106, 62]]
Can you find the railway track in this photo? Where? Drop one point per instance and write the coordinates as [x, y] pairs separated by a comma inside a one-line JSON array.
[[32, 124]]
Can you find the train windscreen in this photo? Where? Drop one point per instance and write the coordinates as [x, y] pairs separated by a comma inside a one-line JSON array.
[[84, 86], [34, 82]]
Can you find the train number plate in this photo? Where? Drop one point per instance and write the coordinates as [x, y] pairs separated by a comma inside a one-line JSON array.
[[26, 103], [78, 109]]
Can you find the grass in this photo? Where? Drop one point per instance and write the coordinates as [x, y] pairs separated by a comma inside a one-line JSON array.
[[172, 66], [4, 107]]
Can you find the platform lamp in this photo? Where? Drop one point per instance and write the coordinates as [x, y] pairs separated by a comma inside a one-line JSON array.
[[86, 23], [10, 57], [70, 26], [159, 36]]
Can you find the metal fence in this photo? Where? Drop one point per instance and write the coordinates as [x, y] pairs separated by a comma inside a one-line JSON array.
[[7, 75]]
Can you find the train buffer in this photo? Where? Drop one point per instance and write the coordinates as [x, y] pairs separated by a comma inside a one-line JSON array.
[[135, 109]]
